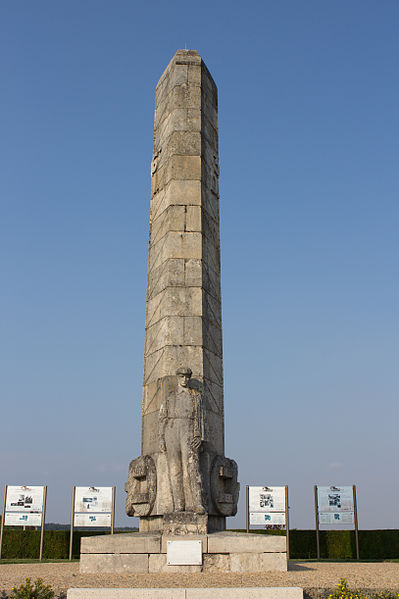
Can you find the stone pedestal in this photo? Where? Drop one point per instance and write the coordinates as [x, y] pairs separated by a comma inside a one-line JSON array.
[[146, 553]]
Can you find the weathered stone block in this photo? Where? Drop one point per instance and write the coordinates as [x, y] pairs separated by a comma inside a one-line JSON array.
[[193, 273], [172, 219], [183, 245], [157, 563], [126, 543], [114, 563], [167, 331], [193, 330], [171, 273], [246, 593], [126, 594], [184, 167], [229, 542], [190, 593], [184, 143], [216, 562], [193, 218], [174, 301], [183, 192], [258, 562]]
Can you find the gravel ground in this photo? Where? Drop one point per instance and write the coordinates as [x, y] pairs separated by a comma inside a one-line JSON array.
[[311, 576]]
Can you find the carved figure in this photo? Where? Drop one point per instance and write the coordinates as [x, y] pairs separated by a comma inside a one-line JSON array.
[[181, 437]]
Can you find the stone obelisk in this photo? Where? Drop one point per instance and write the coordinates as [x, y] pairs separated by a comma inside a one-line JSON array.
[[174, 485], [182, 485]]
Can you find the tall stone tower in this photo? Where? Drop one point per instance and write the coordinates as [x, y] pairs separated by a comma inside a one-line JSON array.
[[182, 484], [175, 485]]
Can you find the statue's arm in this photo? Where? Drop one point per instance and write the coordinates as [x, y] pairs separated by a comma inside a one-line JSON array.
[[163, 419], [199, 429]]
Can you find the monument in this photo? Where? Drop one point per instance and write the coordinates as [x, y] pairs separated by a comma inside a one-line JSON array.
[[182, 486]]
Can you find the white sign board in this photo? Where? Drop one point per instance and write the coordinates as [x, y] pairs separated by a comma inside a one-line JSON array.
[[24, 499], [93, 499], [337, 518], [92, 520], [184, 553], [28, 519], [335, 499], [260, 518], [266, 499]]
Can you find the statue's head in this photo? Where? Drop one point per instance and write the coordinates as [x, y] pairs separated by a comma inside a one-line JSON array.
[[183, 376]]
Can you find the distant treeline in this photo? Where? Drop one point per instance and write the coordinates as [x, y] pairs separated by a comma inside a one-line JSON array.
[[334, 544], [56, 526]]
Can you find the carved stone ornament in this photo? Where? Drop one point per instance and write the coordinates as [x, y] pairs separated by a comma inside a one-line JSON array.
[[141, 487], [224, 485]]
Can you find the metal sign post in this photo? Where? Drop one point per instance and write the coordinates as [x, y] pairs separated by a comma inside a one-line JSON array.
[[356, 523], [113, 511], [72, 519], [316, 511], [247, 505], [43, 520], [287, 522], [2, 518]]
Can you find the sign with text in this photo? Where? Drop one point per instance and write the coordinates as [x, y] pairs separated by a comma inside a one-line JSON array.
[[24, 499], [260, 518], [337, 518], [266, 499], [93, 499], [28, 519], [92, 520], [335, 499]]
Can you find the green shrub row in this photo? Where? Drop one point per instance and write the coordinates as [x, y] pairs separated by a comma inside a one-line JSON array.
[[334, 544], [25, 544]]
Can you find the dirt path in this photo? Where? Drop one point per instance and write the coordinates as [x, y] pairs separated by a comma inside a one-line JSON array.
[[308, 575]]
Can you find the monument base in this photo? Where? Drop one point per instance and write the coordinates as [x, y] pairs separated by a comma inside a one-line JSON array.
[[147, 552]]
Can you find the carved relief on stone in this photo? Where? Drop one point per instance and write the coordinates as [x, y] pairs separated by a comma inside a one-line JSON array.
[[181, 438], [141, 487], [224, 485], [155, 161]]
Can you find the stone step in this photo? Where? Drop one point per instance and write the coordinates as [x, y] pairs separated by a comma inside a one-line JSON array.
[[202, 593]]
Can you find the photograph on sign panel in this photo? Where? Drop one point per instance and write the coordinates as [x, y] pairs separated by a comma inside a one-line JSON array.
[[335, 499], [24, 499], [93, 499], [266, 499]]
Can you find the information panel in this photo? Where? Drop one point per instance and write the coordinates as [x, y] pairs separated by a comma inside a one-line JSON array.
[[24, 499], [266, 499], [335, 499], [260, 518], [28, 519], [92, 520], [337, 518], [93, 499]]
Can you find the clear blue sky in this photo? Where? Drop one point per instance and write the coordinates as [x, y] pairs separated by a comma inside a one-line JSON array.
[[309, 136]]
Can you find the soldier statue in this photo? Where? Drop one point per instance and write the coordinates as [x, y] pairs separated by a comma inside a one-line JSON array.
[[181, 438]]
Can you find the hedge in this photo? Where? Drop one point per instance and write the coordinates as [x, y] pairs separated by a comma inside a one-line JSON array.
[[334, 544], [341, 544]]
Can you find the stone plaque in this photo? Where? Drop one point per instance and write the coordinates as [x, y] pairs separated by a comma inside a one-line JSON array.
[[184, 553]]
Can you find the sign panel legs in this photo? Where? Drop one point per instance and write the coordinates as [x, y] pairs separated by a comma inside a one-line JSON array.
[[43, 520], [316, 512], [356, 524], [2, 518]]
